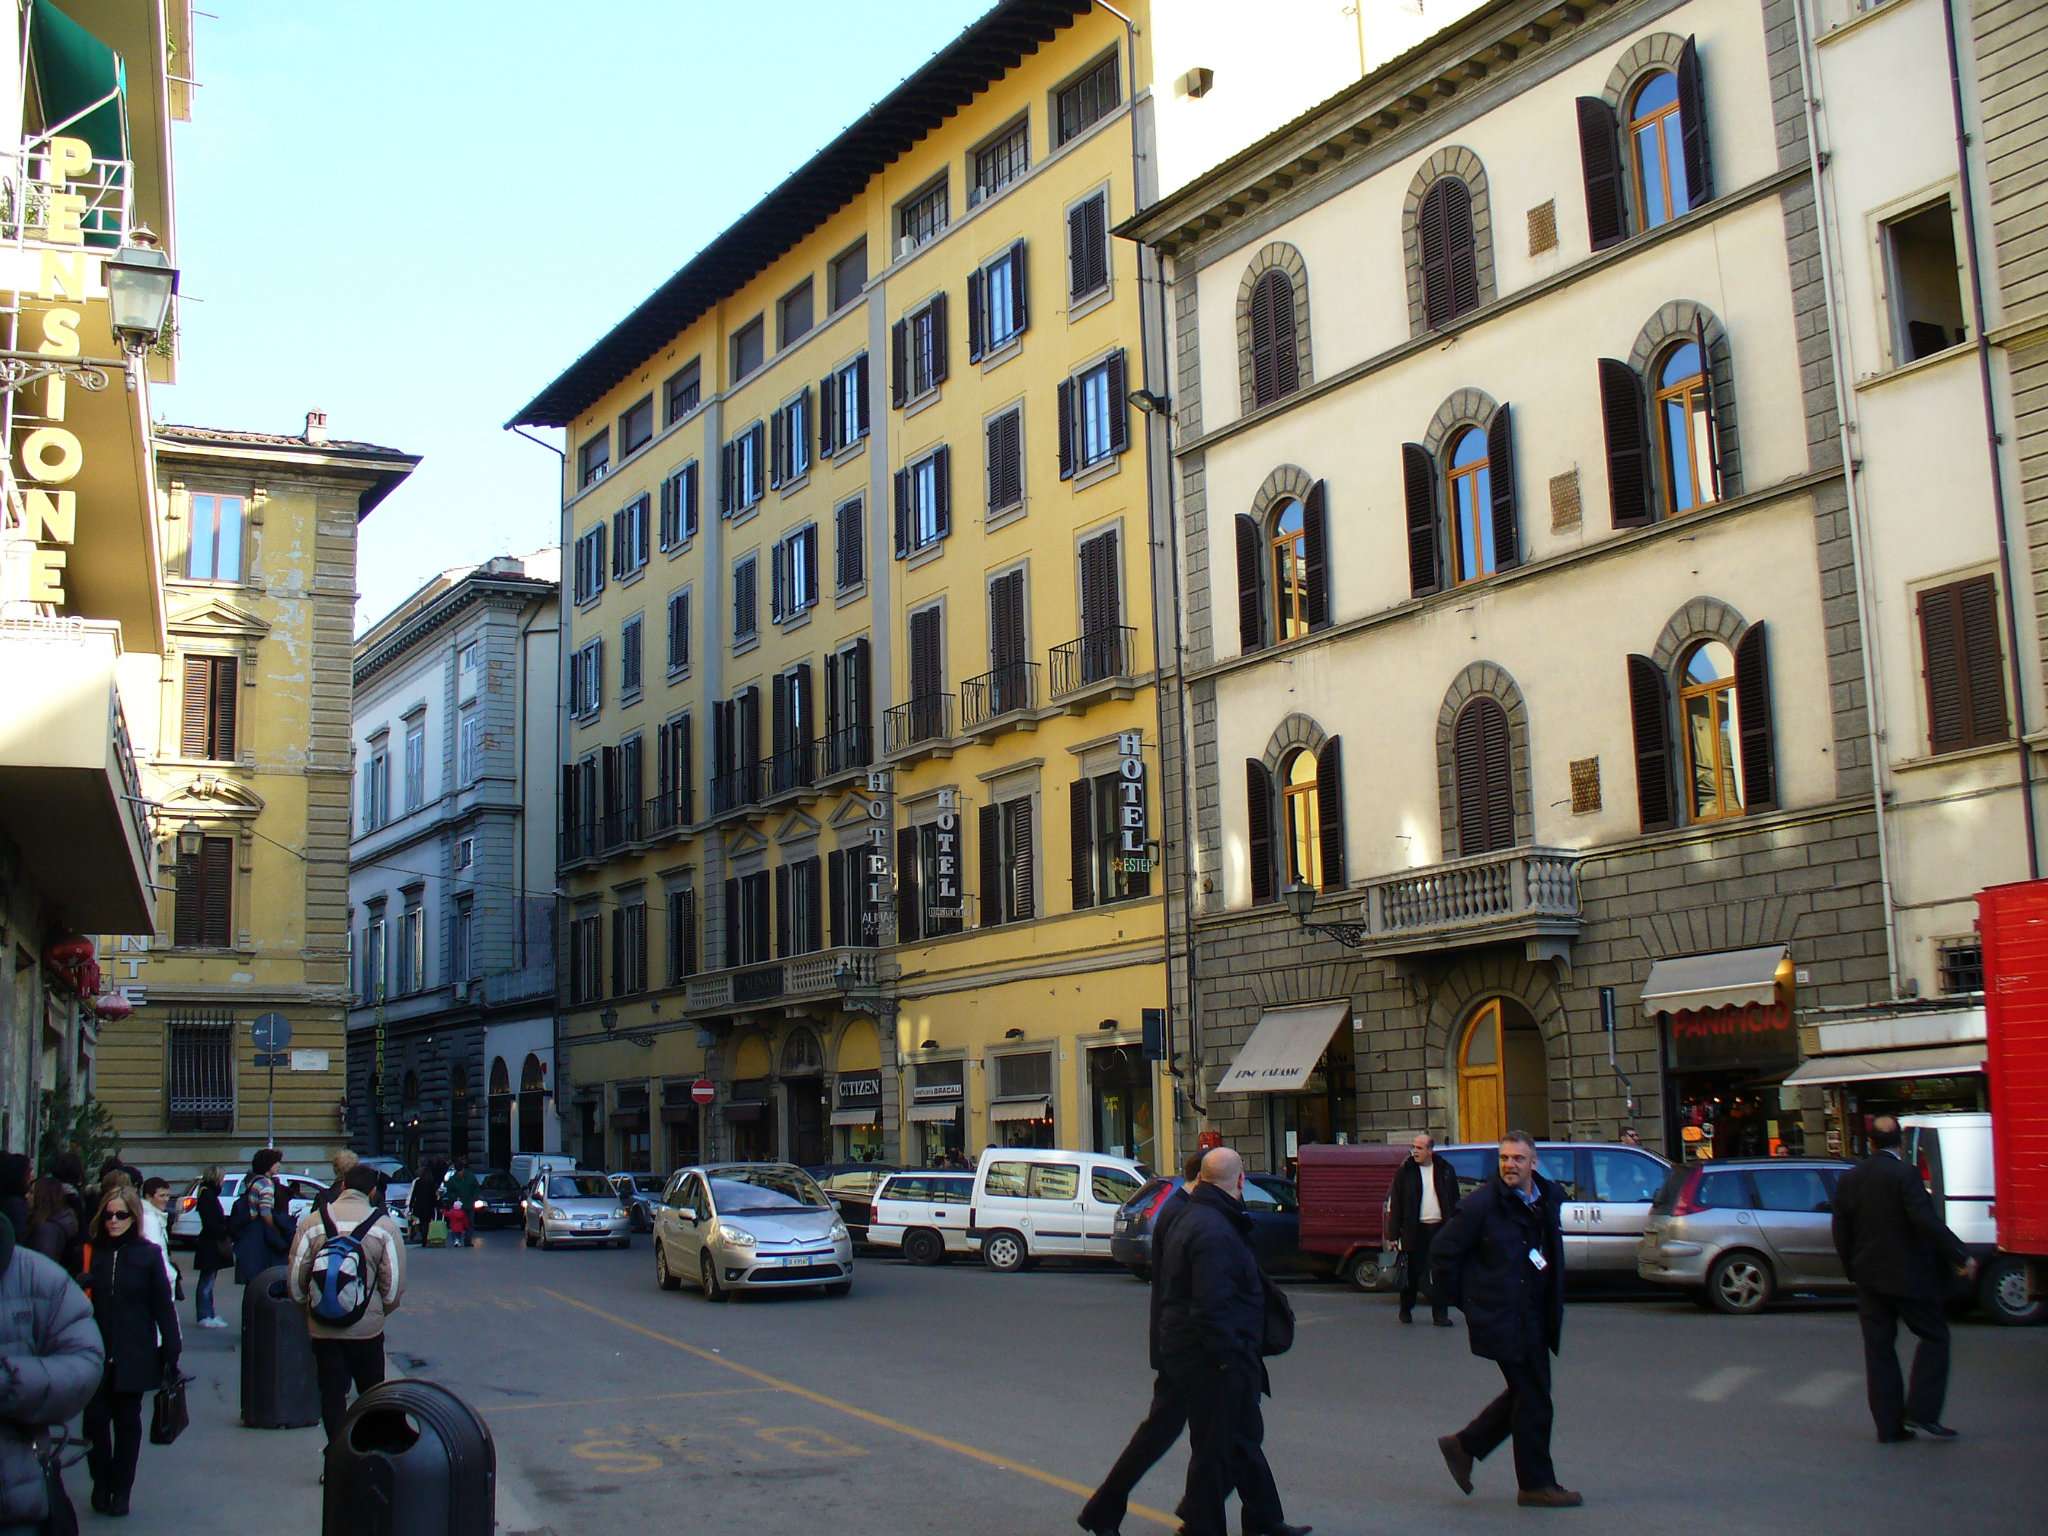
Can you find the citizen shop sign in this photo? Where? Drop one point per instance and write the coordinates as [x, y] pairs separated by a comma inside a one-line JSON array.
[[858, 1090], [1755, 1036], [1131, 855], [881, 882], [945, 894]]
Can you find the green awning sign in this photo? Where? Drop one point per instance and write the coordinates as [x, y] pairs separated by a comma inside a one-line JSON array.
[[80, 82]]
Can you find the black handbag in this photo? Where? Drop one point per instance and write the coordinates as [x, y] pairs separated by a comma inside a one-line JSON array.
[[1278, 1335], [169, 1416], [59, 1517]]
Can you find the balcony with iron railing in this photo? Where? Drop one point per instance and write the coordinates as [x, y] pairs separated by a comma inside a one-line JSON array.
[[737, 788], [793, 768], [1000, 692], [618, 827], [108, 187], [847, 750], [795, 978], [922, 725], [1103, 662], [576, 842], [1530, 894], [667, 812]]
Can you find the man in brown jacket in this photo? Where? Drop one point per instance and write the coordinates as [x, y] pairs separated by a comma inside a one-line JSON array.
[[347, 1295]]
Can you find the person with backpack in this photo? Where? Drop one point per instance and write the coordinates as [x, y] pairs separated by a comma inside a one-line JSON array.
[[347, 1269], [213, 1252]]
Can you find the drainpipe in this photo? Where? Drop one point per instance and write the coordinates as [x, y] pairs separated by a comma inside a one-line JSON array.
[[1992, 439], [1838, 356]]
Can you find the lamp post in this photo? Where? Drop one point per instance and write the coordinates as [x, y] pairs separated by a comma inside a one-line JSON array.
[[190, 840], [140, 283], [608, 1016], [1301, 901]]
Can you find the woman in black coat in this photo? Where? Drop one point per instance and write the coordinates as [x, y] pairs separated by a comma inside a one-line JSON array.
[[214, 1252], [131, 1301]]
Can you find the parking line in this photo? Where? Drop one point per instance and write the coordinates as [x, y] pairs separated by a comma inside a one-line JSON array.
[[855, 1411], [606, 1402], [1822, 1389], [1723, 1384]]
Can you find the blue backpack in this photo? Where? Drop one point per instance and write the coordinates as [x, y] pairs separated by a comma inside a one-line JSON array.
[[342, 1280]]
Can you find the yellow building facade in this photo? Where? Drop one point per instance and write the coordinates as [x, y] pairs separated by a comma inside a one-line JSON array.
[[242, 726], [861, 811]]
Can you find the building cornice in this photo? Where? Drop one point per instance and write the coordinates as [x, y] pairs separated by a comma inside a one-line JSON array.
[[373, 655]]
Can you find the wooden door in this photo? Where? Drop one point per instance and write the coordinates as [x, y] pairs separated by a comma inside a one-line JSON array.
[[1482, 1089]]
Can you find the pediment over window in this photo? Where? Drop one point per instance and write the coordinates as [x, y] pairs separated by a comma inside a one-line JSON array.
[[744, 840], [852, 811], [214, 795], [796, 826], [216, 618]]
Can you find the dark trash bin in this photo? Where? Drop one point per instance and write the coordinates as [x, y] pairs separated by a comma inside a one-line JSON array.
[[280, 1388], [412, 1459]]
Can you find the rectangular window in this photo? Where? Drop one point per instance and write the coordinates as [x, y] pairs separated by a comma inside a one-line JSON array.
[[1963, 665], [216, 549], [1005, 454], [790, 440], [1094, 416], [629, 538], [923, 503], [940, 879], [201, 914], [679, 506], [586, 679], [850, 533], [209, 705], [682, 935], [748, 343], [636, 427], [462, 959], [747, 931], [744, 618], [741, 480], [1108, 839], [629, 949], [672, 773], [630, 634], [377, 787], [199, 1065], [589, 576], [844, 401], [594, 460], [678, 633], [586, 958], [996, 303], [1001, 161], [412, 948], [1092, 97], [469, 666], [1962, 967], [465, 852], [1008, 859], [1088, 246], [1923, 282], [472, 746], [793, 583], [793, 314], [849, 274], [921, 218], [925, 354], [683, 390], [376, 974]]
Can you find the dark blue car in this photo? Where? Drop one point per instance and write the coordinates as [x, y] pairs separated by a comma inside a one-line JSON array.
[[1268, 1199]]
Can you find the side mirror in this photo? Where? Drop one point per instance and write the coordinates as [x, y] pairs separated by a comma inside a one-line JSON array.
[[686, 1213]]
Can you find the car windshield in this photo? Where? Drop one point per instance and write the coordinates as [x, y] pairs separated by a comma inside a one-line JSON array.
[[579, 1186], [497, 1184], [647, 1183], [737, 1190]]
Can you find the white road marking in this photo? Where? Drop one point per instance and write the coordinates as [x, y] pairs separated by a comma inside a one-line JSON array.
[[1822, 1389], [1723, 1384]]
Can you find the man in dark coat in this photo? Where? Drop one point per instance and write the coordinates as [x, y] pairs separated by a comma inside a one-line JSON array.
[[1897, 1252], [1500, 1259], [1425, 1194]]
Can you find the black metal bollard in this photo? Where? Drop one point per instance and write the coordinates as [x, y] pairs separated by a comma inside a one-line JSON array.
[[280, 1388], [412, 1459]]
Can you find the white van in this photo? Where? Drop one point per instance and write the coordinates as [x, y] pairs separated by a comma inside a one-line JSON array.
[[528, 1166], [1041, 1202], [923, 1213], [1952, 1153]]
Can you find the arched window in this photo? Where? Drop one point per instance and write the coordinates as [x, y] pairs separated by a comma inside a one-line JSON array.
[[1656, 133], [1288, 550], [1301, 820], [1483, 776], [1276, 372], [1685, 438], [1471, 506], [533, 1080], [1450, 254], [1710, 732]]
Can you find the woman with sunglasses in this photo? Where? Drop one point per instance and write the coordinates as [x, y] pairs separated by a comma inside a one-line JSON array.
[[131, 1301]]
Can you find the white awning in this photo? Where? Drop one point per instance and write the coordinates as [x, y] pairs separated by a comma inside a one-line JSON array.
[[1283, 1049], [1938, 1061], [934, 1114], [1734, 978], [856, 1116], [1001, 1110]]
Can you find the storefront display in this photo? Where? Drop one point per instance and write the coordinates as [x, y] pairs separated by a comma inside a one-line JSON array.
[[750, 1122], [857, 1117], [1020, 1110], [1727, 1083], [936, 1137], [1120, 1103]]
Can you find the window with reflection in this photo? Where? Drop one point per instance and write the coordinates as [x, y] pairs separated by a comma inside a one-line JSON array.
[[1471, 502], [1301, 819], [1654, 134], [1289, 548], [1711, 732], [1684, 433], [216, 547]]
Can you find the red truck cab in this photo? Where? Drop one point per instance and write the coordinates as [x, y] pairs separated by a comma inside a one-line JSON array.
[[1343, 1193], [2013, 927]]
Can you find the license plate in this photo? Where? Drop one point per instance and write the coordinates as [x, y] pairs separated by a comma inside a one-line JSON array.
[[593, 1226]]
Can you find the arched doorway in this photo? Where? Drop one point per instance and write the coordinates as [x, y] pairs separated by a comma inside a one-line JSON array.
[[803, 1081], [1503, 1080], [533, 1082], [499, 1132]]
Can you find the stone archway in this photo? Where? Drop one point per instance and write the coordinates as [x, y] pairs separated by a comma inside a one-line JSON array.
[[533, 1082], [1531, 1048], [498, 1117]]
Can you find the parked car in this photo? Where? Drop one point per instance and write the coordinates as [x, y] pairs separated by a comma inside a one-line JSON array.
[[1740, 1232], [575, 1207], [639, 1193], [1269, 1200], [1607, 1188], [397, 1180], [497, 1202], [528, 1166], [1039, 1202], [1953, 1154], [851, 1189], [302, 1187], [924, 1213], [749, 1226]]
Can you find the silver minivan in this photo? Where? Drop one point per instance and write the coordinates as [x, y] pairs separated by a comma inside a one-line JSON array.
[[1607, 1189], [1739, 1232], [749, 1226]]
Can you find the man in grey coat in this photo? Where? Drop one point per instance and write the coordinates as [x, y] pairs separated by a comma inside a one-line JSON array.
[[51, 1360]]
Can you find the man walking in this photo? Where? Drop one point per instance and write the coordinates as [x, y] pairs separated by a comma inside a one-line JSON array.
[[1425, 1194], [1501, 1258], [1897, 1252], [1207, 1337], [370, 1275]]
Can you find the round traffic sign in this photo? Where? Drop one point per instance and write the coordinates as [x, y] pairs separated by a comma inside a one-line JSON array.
[[702, 1091], [272, 1031]]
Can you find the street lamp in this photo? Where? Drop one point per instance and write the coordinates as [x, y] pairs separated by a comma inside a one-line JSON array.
[[1300, 898], [608, 1016], [190, 840], [140, 282]]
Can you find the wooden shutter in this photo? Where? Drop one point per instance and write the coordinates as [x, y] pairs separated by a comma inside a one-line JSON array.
[[778, 581], [1434, 233], [925, 671], [186, 907], [1464, 247], [1099, 609], [899, 362], [1066, 414], [1692, 115], [1251, 594], [1078, 266], [990, 819], [938, 324], [1500, 478], [942, 490], [728, 478], [1484, 778], [597, 557], [977, 313], [779, 726], [908, 909], [1020, 287], [859, 690], [1119, 404], [1081, 841], [750, 725], [1600, 161], [1137, 882], [1753, 704], [1418, 473], [732, 922], [782, 926], [1330, 811], [902, 513], [807, 551], [1265, 386], [1018, 815], [1649, 713], [1315, 538], [196, 708], [1005, 460], [1628, 452], [828, 415], [1006, 620], [835, 894], [814, 912], [690, 475], [1258, 806], [847, 533], [800, 700], [216, 887]]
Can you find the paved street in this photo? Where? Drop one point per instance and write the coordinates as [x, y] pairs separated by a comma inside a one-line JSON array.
[[955, 1399]]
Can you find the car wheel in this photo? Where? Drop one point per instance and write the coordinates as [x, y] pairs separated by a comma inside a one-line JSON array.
[[1365, 1273], [1004, 1252], [839, 1288], [923, 1246], [1740, 1283], [2003, 1291], [666, 1278], [707, 1278]]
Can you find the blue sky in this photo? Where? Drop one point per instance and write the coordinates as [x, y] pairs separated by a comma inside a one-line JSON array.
[[413, 215]]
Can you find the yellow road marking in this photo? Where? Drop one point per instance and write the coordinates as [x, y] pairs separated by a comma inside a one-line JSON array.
[[604, 1402], [855, 1411]]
